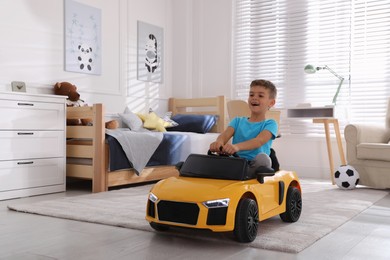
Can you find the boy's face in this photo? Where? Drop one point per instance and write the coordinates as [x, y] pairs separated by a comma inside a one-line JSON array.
[[259, 99]]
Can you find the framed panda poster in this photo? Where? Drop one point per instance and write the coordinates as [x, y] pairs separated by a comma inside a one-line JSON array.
[[82, 38], [150, 52]]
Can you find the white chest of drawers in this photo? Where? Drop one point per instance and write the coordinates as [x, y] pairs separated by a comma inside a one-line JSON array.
[[32, 144]]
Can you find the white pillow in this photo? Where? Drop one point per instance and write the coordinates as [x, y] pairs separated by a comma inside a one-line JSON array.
[[131, 120]]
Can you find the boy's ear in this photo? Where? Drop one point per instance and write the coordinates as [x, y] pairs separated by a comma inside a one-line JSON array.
[[272, 103]]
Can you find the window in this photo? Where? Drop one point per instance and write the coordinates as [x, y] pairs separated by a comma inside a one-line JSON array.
[[275, 39]]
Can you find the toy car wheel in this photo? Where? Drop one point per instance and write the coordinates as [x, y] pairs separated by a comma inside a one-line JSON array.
[[293, 205], [159, 227], [247, 221]]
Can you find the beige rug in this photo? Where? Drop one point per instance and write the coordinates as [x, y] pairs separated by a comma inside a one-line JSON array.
[[325, 207]]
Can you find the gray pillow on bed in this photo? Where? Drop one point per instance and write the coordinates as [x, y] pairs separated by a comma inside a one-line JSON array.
[[131, 120]]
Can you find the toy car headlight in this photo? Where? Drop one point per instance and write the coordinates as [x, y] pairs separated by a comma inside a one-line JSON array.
[[221, 203], [153, 198]]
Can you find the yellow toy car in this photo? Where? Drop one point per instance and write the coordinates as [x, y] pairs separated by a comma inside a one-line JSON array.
[[217, 193]]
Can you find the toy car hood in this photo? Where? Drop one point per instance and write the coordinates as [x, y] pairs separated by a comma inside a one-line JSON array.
[[194, 189], [198, 189]]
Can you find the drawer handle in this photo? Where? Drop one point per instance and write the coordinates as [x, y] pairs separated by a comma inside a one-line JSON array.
[[26, 104], [25, 133], [21, 163]]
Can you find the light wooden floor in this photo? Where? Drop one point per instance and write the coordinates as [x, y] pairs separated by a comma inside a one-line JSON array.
[[27, 236]]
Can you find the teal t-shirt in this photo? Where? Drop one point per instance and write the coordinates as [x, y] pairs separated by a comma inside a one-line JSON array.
[[245, 130]]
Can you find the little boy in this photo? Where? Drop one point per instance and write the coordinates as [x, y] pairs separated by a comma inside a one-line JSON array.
[[252, 136]]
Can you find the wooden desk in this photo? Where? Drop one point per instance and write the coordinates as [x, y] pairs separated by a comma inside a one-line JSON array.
[[335, 122]]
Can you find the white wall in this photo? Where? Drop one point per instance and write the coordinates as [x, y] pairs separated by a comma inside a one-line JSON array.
[[202, 48], [307, 156], [32, 49], [144, 95]]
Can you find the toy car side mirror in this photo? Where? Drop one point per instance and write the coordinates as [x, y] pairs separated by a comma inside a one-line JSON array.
[[262, 172], [179, 165]]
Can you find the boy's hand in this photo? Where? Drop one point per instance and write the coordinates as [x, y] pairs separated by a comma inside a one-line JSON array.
[[216, 147], [229, 149]]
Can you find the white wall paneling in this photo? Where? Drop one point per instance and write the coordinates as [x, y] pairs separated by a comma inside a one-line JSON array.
[[202, 48], [32, 49], [143, 95]]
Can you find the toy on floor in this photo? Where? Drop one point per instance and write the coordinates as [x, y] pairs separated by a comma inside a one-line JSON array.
[[346, 177], [216, 193]]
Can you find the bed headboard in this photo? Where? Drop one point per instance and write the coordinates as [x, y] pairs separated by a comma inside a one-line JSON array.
[[205, 106]]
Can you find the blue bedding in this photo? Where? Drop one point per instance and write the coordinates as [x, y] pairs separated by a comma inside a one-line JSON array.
[[167, 153]]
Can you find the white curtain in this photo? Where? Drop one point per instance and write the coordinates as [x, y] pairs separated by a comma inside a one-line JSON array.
[[275, 39]]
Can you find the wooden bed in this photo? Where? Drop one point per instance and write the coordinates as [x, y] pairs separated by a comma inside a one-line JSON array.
[[88, 142]]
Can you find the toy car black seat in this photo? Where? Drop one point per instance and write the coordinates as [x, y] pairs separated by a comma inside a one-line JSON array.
[[215, 167]]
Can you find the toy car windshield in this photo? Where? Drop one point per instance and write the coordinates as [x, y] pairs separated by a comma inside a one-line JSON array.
[[215, 167]]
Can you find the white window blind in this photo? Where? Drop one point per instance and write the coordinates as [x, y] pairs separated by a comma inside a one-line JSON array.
[[370, 60], [275, 39]]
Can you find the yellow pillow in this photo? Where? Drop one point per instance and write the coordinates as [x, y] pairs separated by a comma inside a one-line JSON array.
[[153, 122]]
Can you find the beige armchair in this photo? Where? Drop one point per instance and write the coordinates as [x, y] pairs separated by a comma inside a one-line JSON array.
[[368, 151]]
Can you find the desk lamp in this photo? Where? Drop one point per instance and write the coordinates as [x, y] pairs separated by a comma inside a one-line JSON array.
[[310, 69]]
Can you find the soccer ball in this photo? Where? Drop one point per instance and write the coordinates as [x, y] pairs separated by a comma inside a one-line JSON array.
[[346, 177]]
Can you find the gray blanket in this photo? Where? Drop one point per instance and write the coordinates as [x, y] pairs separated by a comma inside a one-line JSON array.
[[138, 146]]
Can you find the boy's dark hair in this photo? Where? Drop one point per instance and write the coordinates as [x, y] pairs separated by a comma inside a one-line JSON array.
[[266, 84]]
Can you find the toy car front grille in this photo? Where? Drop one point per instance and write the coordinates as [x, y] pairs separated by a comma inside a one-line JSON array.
[[217, 216], [178, 212], [150, 209]]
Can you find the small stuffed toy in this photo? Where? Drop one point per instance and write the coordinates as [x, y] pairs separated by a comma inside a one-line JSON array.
[[67, 89], [113, 124], [73, 100], [153, 122]]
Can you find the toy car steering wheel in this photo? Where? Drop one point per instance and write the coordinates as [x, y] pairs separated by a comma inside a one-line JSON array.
[[221, 154]]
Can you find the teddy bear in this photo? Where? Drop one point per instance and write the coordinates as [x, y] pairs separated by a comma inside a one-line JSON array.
[[67, 89], [73, 100]]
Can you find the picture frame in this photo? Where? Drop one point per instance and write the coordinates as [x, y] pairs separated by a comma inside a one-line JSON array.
[[150, 59], [82, 38], [18, 86]]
